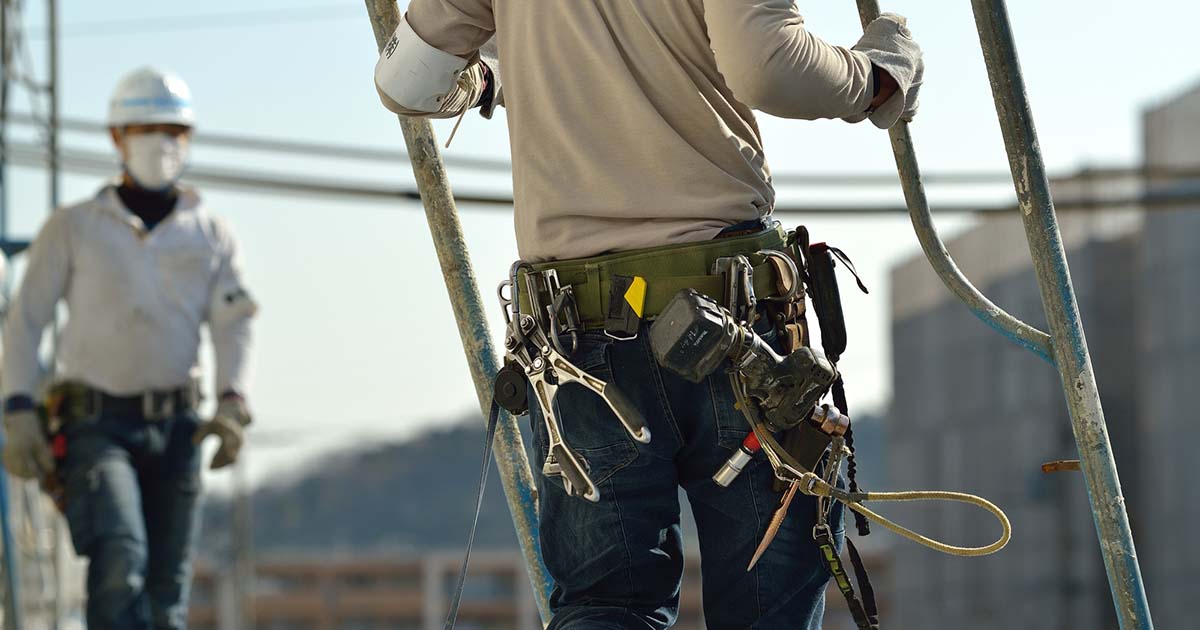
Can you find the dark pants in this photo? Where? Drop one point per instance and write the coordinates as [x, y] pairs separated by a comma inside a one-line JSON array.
[[619, 563], [132, 490]]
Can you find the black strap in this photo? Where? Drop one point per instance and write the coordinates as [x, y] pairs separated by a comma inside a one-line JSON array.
[[841, 255], [839, 400], [456, 598], [864, 584]]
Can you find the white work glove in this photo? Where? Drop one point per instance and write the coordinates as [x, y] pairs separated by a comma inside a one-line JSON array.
[[228, 424], [26, 452], [888, 43]]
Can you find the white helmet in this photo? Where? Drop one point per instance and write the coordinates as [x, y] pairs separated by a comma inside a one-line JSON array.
[[148, 96]]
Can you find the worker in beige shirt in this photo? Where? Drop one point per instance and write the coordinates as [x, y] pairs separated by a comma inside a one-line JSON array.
[[632, 129]]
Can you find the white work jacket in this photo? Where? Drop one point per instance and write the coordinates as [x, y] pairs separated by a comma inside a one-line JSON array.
[[136, 299]]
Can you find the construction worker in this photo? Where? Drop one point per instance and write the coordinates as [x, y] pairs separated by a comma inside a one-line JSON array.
[[635, 152], [141, 266]]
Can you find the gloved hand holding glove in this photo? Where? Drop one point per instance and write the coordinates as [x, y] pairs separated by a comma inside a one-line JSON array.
[[228, 424], [889, 45], [26, 451]]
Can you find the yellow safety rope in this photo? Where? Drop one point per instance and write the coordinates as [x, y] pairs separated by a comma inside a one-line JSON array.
[[788, 469], [812, 484]]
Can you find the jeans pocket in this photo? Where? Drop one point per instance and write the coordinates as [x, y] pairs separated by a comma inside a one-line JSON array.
[[732, 426], [588, 425]]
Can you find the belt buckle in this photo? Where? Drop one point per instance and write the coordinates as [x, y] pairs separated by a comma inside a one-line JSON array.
[[148, 405], [157, 405]]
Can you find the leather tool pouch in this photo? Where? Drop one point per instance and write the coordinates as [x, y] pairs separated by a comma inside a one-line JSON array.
[[803, 442]]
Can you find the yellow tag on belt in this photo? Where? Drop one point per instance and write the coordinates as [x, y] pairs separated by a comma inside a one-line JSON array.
[[635, 295]]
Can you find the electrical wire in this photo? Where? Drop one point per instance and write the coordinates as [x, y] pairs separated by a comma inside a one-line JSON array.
[[207, 21]]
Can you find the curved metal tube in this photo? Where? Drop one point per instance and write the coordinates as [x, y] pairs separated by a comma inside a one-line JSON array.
[[1006, 324]]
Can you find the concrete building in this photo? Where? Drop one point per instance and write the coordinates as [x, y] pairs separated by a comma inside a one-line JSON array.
[[972, 412], [1168, 346]]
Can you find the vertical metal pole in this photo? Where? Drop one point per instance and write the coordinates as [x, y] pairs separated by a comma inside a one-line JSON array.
[[451, 248], [12, 574], [1058, 299], [243, 545], [52, 95], [59, 550], [5, 64]]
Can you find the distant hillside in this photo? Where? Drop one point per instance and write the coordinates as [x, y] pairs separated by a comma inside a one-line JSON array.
[[418, 494], [415, 494]]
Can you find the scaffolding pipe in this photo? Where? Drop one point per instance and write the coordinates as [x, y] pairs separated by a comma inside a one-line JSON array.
[[440, 211], [1066, 346], [1062, 313], [12, 575], [1016, 330]]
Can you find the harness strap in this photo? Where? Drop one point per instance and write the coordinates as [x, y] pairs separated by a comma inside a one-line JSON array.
[[864, 619], [667, 270], [839, 400], [864, 583]]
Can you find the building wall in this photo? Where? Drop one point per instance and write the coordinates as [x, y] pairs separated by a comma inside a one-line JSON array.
[[1168, 342], [973, 412]]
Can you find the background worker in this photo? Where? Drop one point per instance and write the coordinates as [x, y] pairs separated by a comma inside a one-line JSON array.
[[631, 129], [142, 266]]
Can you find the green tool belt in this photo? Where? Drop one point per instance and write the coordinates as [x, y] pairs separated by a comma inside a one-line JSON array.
[[666, 270]]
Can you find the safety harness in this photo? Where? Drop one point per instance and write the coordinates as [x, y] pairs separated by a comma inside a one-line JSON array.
[[550, 304]]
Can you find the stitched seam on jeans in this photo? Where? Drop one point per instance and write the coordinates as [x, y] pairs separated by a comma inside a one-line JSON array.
[[662, 396], [624, 539], [716, 409], [760, 568]]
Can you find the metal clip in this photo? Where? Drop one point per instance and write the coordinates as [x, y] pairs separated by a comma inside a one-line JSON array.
[[534, 343], [739, 286], [791, 281]]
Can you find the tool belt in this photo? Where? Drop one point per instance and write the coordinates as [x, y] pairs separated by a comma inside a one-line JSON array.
[[665, 270], [72, 400]]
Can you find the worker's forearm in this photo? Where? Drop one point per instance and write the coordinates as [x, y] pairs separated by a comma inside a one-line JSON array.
[[231, 347]]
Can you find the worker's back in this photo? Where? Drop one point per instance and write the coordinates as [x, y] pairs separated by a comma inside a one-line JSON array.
[[624, 134], [631, 122]]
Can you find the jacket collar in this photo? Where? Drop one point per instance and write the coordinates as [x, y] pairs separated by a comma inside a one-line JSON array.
[[108, 200]]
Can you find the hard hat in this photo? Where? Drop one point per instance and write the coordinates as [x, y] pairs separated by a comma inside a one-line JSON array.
[[148, 96]]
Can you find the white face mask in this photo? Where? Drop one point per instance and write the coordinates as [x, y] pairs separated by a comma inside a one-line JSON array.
[[155, 160]]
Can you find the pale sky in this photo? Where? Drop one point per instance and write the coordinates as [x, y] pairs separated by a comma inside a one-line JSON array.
[[355, 341]]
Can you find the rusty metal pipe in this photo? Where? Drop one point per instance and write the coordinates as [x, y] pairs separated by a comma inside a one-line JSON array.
[[465, 299]]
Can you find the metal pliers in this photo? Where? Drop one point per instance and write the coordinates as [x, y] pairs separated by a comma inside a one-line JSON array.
[[529, 347]]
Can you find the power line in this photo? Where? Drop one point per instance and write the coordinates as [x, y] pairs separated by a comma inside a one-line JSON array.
[[291, 147], [205, 21], [499, 166], [91, 162], [96, 163]]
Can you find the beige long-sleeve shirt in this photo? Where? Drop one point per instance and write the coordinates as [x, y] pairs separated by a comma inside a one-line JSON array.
[[631, 122]]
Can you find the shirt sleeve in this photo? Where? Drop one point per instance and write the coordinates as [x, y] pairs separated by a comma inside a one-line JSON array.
[[44, 284], [230, 310], [772, 63], [460, 28]]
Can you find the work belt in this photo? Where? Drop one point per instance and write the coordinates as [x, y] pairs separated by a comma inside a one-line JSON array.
[[666, 270], [72, 400]]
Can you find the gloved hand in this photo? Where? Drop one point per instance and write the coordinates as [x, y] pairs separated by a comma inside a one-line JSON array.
[[889, 45], [26, 451], [228, 424]]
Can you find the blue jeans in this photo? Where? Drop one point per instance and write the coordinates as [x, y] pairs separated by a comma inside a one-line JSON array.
[[618, 563], [132, 490]]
